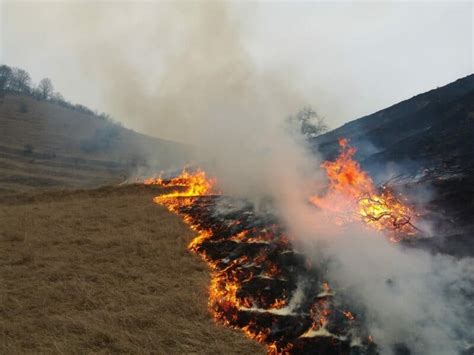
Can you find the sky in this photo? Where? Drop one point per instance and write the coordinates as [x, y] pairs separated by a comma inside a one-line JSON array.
[[346, 59]]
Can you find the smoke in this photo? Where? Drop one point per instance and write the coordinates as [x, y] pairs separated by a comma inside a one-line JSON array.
[[206, 89], [410, 300], [407, 296]]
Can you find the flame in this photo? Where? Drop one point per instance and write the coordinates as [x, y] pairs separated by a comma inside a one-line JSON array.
[[224, 300], [153, 181], [352, 196], [348, 315], [190, 184]]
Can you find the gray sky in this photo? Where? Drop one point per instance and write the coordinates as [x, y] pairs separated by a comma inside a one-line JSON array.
[[346, 59]]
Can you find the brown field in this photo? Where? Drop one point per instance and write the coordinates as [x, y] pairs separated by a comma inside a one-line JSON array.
[[103, 271]]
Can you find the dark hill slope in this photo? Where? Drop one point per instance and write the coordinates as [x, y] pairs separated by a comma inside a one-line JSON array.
[[428, 140], [423, 127], [45, 145]]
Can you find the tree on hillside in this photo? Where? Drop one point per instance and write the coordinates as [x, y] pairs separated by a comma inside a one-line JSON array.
[[5, 77], [20, 81], [16, 80], [308, 122], [45, 88]]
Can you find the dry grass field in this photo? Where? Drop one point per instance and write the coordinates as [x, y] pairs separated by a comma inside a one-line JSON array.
[[103, 271]]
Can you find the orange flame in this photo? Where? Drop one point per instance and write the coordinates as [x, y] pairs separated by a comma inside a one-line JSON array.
[[153, 181], [190, 184], [352, 196], [224, 301], [348, 315]]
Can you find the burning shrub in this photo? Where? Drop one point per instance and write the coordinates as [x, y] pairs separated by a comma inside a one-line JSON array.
[[352, 196]]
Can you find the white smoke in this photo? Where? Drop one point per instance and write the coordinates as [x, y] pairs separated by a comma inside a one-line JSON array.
[[406, 296]]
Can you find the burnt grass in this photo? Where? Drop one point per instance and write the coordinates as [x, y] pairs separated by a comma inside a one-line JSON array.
[[268, 269]]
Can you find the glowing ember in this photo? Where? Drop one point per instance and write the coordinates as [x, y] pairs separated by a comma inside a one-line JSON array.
[[348, 315], [352, 196]]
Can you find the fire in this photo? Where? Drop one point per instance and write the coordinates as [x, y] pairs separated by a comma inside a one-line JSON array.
[[242, 254], [153, 181], [348, 315], [225, 301], [352, 196], [190, 185]]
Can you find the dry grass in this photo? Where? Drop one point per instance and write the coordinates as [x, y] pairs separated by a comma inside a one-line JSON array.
[[103, 271], [50, 146]]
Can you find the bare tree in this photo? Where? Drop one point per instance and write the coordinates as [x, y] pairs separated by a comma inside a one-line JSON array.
[[308, 122], [5, 77], [45, 88], [20, 81]]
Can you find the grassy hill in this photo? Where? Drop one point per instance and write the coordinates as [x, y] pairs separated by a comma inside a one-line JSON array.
[[45, 145]]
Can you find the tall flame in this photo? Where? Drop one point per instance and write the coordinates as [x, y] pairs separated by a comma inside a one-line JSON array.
[[352, 196]]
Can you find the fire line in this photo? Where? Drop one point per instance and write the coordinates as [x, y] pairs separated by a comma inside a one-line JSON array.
[[253, 265]]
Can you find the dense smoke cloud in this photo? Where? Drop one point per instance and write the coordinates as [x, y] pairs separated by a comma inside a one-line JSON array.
[[407, 296], [205, 88]]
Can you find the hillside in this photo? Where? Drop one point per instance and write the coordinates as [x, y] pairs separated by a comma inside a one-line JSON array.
[[437, 125], [425, 143], [45, 145]]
